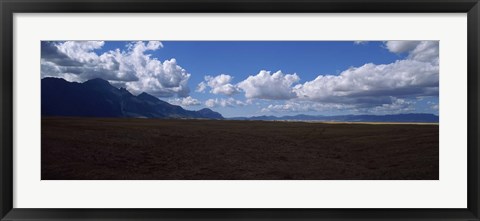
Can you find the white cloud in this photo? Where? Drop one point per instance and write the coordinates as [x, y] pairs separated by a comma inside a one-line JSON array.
[[201, 87], [370, 87], [185, 101], [377, 88], [133, 68], [425, 51], [401, 78], [373, 85], [219, 85], [81, 51], [397, 106], [264, 85], [160, 79], [401, 46], [229, 102], [62, 59]]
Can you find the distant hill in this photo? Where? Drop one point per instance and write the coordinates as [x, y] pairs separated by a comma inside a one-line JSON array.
[[98, 98], [413, 117]]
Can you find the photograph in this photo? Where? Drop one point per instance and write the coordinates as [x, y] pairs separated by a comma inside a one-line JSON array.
[[239, 110]]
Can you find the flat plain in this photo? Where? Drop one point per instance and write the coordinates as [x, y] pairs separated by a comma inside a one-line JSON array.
[[75, 148]]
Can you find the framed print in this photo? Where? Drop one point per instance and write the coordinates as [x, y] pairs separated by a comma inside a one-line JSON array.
[[189, 110]]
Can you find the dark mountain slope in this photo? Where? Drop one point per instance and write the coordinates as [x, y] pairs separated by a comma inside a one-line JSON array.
[[97, 98]]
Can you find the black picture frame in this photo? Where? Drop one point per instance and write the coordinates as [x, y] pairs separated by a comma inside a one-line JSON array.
[[9, 7]]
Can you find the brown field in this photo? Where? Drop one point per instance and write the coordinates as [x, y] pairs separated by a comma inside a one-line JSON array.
[[155, 149]]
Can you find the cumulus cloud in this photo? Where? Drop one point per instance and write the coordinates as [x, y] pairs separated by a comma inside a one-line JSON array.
[[77, 61], [276, 86], [377, 88], [401, 46], [424, 51], [133, 68], [373, 85], [185, 101], [160, 79], [81, 51], [229, 102], [219, 85], [370, 81]]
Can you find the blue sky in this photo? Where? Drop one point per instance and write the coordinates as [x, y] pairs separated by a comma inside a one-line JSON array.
[[251, 78]]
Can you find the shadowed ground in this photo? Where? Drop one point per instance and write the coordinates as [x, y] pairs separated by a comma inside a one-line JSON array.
[[94, 148]]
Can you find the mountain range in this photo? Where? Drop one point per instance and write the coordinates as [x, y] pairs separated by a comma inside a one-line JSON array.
[[411, 117], [98, 98]]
